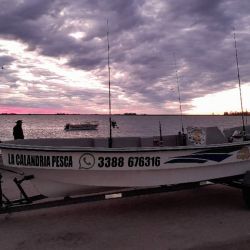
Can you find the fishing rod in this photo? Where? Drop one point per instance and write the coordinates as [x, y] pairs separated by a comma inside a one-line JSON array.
[[238, 74], [110, 111], [179, 95], [160, 131]]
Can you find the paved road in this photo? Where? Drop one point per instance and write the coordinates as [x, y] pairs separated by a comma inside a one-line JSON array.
[[212, 217]]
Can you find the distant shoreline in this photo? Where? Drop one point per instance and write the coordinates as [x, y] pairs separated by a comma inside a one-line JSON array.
[[62, 114]]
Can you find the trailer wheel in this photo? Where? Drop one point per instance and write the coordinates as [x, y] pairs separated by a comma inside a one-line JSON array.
[[246, 196]]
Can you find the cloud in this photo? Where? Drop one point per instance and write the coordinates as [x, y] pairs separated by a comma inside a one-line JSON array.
[[144, 36]]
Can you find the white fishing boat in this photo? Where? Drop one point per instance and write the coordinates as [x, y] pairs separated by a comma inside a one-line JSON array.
[[61, 167], [81, 126], [131, 161]]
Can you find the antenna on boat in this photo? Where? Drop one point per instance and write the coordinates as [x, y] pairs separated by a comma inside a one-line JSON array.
[[179, 95], [238, 74], [161, 138], [110, 113]]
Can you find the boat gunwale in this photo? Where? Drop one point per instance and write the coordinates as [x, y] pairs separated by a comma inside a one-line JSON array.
[[117, 149]]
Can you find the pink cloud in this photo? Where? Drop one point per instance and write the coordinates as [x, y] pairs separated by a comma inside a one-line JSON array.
[[25, 110]]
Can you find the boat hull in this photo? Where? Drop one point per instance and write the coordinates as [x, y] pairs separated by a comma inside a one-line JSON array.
[[128, 167]]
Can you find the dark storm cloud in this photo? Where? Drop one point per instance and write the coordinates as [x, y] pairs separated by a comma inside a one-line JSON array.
[[143, 35], [4, 60], [21, 19], [210, 13]]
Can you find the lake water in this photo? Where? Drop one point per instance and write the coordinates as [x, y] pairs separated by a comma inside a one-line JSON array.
[[52, 126]]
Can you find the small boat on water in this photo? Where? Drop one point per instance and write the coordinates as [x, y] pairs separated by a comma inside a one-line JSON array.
[[81, 126]]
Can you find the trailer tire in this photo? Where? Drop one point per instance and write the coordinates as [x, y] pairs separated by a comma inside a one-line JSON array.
[[246, 196]]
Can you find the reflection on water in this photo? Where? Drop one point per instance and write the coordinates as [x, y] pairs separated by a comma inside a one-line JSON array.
[[52, 126]]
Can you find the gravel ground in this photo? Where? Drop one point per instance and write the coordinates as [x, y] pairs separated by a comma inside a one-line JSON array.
[[211, 217]]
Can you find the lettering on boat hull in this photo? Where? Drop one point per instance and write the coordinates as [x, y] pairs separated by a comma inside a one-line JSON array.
[[40, 160], [128, 160]]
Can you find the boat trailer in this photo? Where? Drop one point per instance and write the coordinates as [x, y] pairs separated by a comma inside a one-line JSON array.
[[40, 201]]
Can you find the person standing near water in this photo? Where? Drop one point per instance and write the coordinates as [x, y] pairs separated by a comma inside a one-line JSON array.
[[18, 130]]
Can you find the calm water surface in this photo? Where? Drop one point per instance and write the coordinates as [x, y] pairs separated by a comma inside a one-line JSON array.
[[52, 126]]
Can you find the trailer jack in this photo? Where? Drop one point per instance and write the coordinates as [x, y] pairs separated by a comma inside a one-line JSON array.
[[6, 203]]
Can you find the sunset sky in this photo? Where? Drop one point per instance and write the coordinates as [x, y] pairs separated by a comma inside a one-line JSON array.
[[53, 56]]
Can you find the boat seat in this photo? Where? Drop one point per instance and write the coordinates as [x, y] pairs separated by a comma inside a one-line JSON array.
[[85, 142], [101, 142], [147, 142], [170, 140], [124, 142], [118, 142], [167, 140], [58, 142], [73, 142]]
